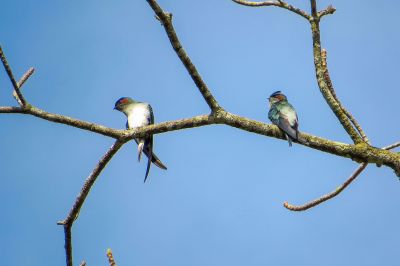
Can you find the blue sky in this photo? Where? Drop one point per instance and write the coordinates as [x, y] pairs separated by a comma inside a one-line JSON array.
[[220, 202]]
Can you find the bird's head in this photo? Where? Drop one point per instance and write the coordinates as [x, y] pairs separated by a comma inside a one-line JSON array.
[[276, 97], [123, 103]]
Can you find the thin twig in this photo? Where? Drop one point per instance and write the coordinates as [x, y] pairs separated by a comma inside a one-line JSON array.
[[327, 11], [332, 90], [281, 4], [7, 67], [329, 195], [110, 257], [21, 82], [25, 77], [83, 263], [392, 146], [74, 212], [166, 21], [338, 190]]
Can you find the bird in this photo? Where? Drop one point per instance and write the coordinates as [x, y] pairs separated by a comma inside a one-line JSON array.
[[140, 114], [283, 114]]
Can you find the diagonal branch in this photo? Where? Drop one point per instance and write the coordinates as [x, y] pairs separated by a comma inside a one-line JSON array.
[[329, 195], [323, 85], [110, 257], [392, 146], [278, 3], [166, 20], [74, 212], [327, 11], [338, 190], [20, 97], [21, 82], [332, 90]]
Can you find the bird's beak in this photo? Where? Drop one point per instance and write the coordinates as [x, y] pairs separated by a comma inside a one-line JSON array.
[[115, 108]]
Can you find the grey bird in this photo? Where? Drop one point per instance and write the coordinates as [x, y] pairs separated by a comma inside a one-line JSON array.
[[140, 114]]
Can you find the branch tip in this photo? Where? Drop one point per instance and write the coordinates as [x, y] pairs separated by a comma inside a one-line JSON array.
[[338, 190], [110, 257], [328, 196], [278, 3], [20, 98]]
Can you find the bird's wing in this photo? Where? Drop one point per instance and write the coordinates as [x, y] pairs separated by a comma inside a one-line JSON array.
[[273, 115], [288, 120], [285, 125], [148, 142]]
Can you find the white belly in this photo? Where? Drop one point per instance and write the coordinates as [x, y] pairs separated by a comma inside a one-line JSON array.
[[139, 116]]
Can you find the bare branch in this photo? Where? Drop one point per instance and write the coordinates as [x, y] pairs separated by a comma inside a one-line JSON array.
[[57, 118], [314, 8], [332, 90], [122, 135], [327, 11], [363, 153], [166, 20], [281, 4], [25, 77], [74, 212], [323, 85], [329, 195], [392, 146], [68, 245], [7, 67], [110, 257], [338, 190], [21, 82]]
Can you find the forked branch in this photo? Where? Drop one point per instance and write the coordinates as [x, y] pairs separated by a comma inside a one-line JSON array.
[[74, 212], [338, 190], [278, 3]]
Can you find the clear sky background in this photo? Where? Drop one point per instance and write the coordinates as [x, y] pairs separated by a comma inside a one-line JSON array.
[[220, 202]]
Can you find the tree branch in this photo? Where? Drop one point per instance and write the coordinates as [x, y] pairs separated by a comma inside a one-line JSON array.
[[74, 212], [323, 86], [166, 20], [359, 153], [314, 12], [327, 11], [20, 97], [329, 195], [338, 190], [332, 90], [110, 257], [278, 3]]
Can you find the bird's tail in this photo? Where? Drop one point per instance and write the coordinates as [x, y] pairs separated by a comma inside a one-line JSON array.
[[289, 139], [157, 162], [154, 159], [140, 149], [148, 167], [295, 137]]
